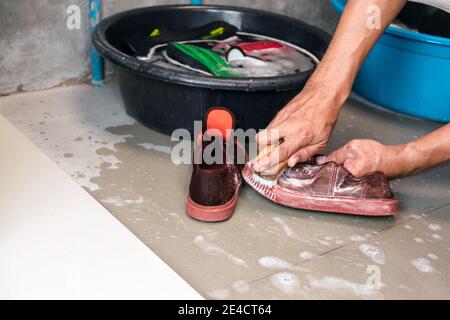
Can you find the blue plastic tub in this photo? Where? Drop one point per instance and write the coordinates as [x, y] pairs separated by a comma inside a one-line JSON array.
[[408, 72]]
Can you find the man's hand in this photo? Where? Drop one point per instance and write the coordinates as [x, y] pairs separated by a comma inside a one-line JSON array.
[[361, 157], [364, 156], [305, 125]]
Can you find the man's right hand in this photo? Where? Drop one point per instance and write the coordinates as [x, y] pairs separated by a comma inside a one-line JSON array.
[[305, 125]]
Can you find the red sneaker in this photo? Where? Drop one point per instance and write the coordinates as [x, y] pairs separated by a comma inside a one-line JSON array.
[[328, 187]]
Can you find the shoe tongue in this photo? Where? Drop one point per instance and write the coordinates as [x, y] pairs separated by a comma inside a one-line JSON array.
[[218, 121]]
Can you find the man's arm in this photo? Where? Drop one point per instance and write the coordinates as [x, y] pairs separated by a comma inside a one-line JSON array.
[[364, 156], [306, 123]]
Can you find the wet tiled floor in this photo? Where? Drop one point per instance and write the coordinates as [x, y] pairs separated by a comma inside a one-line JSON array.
[[265, 250]]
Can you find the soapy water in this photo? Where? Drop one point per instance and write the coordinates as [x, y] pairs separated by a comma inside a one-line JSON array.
[[335, 283], [373, 252], [419, 240], [358, 238], [214, 250], [275, 263], [434, 227], [276, 62], [284, 60], [306, 255], [288, 230], [220, 294], [432, 256], [286, 282], [241, 286], [423, 265], [437, 236]]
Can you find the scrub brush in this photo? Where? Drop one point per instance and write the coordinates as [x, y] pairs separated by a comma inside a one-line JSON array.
[[264, 181]]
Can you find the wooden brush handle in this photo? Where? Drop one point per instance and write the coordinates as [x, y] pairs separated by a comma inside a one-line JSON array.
[[274, 171]]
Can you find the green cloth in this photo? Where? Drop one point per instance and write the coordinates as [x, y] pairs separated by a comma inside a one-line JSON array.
[[212, 61]]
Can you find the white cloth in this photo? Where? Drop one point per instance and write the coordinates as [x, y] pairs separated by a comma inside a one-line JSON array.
[[440, 4]]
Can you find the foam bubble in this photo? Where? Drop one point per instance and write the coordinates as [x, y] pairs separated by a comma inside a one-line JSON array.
[[219, 294], [434, 227], [432, 256], [241, 286], [275, 263], [373, 252], [423, 265], [357, 238], [437, 236], [306, 255], [214, 250], [335, 283], [285, 282]]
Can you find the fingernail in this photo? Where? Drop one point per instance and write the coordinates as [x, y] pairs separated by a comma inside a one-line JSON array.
[[293, 162]]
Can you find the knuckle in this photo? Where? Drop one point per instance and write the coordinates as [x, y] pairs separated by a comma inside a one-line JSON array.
[[355, 145], [358, 169], [283, 152]]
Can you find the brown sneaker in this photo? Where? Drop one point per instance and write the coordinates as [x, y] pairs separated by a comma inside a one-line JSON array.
[[214, 188], [328, 187]]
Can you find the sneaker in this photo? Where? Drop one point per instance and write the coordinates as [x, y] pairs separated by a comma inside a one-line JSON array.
[[214, 188], [328, 187]]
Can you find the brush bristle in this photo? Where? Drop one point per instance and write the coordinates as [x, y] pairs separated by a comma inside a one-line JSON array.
[[260, 184]]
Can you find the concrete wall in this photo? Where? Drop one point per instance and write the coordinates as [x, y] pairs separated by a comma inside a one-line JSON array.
[[38, 51]]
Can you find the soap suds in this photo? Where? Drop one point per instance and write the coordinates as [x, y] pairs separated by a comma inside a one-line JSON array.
[[423, 265], [275, 263], [288, 230], [434, 227], [81, 140], [286, 282], [373, 252], [404, 287], [437, 236], [335, 283], [418, 240], [324, 243], [306, 255], [119, 202], [358, 238], [158, 148], [241, 286], [214, 250], [432, 256], [219, 294]]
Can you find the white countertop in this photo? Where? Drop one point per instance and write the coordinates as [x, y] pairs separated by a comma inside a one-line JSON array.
[[57, 242]]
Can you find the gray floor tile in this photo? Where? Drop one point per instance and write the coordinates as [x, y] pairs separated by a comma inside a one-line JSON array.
[[411, 258], [128, 169]]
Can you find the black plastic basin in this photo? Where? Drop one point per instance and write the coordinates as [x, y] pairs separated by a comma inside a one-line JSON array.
[[167, 100]]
